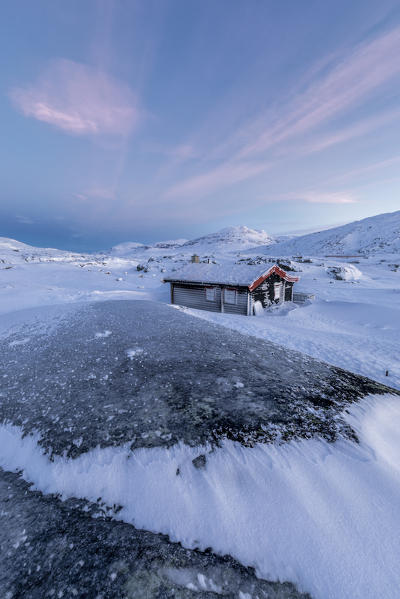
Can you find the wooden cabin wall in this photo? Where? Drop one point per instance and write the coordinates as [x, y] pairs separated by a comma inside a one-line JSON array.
[[194, 296], [241, 303]]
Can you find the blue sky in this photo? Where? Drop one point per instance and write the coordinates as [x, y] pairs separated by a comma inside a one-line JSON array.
[[160, 119]]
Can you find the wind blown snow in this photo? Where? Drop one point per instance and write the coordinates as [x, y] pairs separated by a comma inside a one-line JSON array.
[[324, 516]]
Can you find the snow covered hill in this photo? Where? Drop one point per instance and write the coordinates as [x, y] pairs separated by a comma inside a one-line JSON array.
[[232, 238], [15, 252], [133, 248], [225, 241], [373, 235]]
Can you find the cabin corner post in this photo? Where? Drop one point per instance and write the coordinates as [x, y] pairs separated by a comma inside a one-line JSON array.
[[172, 293], [222, 299]]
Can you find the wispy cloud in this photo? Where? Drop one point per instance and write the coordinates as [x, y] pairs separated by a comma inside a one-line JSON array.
[[322, 197], [331, 93], [96, 193], [79, 100], [348, 83], [24, 220], [367, 169], [228, 173], [364, 127]]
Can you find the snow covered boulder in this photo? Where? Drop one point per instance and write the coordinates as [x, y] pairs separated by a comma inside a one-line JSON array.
[[347, 272]]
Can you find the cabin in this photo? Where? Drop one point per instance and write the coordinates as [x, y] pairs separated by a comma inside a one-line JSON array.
[[234, 289]]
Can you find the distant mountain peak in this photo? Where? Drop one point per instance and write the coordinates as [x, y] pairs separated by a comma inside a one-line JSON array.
[[240, 236]]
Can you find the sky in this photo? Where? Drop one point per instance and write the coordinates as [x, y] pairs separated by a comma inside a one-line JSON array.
[[160, 119]]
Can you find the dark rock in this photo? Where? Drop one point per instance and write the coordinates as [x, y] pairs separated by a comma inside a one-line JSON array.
[[200, 461]]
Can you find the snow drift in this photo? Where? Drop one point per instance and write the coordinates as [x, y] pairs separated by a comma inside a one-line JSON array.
[[324, 516]]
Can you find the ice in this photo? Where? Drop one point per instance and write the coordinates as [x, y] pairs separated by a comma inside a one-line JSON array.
[[105, 334], [132, 353], [19, 342]]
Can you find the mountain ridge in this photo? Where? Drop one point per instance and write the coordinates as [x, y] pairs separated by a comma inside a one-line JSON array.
[[374, 234], [371, 235]]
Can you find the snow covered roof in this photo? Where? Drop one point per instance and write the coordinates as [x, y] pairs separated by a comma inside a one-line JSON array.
[[240, 275]]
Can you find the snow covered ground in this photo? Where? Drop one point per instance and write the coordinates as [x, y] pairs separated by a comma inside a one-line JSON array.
[[352, 323], [322, 515]]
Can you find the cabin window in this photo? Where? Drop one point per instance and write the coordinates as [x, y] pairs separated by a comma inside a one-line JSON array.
[[210, 294], [230, 296], [277, 291]]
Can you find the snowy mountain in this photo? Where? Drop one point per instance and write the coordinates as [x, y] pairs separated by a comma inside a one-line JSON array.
[[373, 235], [232, 238], [223, 241]]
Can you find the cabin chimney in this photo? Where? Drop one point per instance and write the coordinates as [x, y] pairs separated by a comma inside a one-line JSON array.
[[195, 259]]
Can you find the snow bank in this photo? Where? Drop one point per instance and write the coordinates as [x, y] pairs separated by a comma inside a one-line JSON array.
[[345, 272], [324, 516]]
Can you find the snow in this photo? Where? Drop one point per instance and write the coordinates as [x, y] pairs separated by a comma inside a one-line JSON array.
[[371, 235], [232, 274], [225, 241], [323, 515], [104, 334], [31, 277], [132, 353], [230, 238], [348, 272], [353, 324], [122, 249], [258, 309]]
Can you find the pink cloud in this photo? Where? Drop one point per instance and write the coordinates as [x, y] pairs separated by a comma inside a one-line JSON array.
[[369, 168], [329, 93], [182, 152], [79, 100], [359, 129], [226, 174], [352, 80]]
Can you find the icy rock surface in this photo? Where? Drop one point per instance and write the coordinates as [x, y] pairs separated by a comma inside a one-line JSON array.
[[147, 374], [51, 548]]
